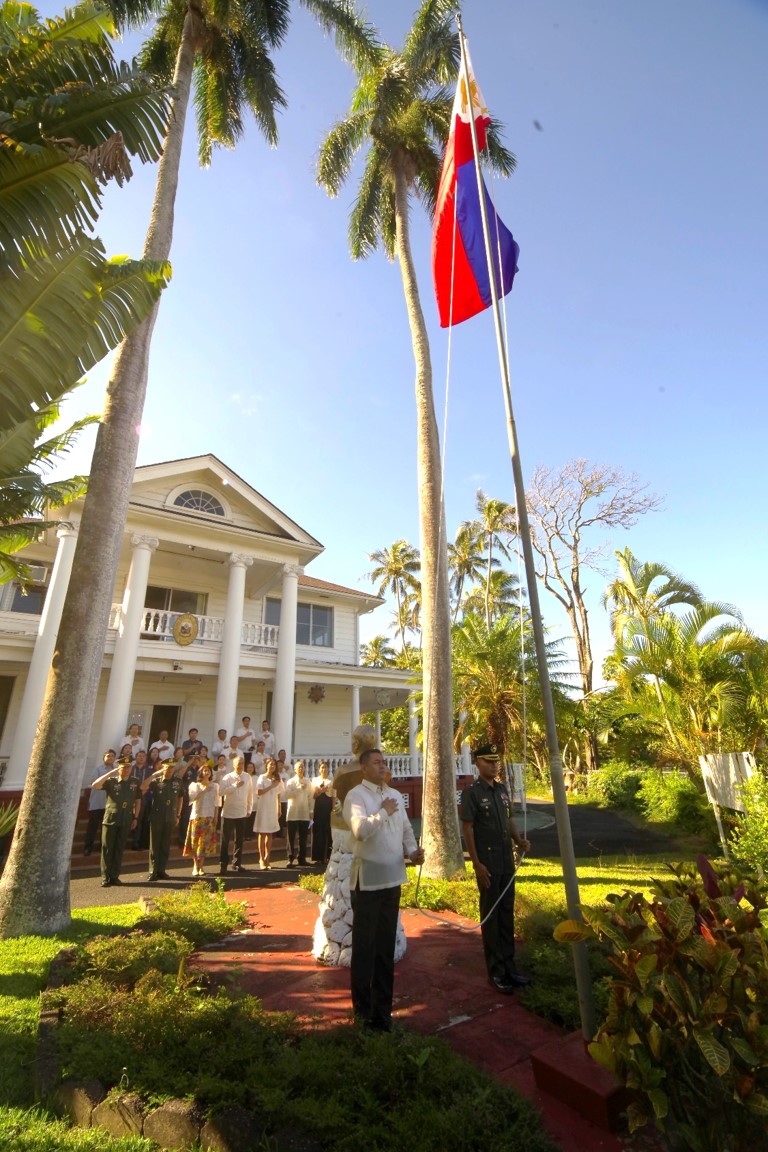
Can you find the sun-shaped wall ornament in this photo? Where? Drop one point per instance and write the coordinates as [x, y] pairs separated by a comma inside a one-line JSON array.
[[316, 693]]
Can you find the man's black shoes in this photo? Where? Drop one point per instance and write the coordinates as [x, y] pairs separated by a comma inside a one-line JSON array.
[[517, 979], [508, 983]]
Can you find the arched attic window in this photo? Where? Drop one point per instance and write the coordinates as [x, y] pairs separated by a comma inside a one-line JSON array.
[[196, 500]]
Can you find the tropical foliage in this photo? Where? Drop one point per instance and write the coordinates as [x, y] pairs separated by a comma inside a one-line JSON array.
[[686, 1028], [495, 681], [70, 119]]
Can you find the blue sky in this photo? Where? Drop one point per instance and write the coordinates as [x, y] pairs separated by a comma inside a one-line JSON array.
[[637, 322]]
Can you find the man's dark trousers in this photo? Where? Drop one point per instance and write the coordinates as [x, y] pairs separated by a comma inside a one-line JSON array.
[[499, 931], [114, 837], [374, 933], [232, 826], [160, 837]]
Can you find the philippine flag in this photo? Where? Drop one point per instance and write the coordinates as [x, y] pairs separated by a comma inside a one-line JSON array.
[[459, 265]]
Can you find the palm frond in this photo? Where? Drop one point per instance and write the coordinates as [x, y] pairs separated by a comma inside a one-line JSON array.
[[432, 47], [338, 151], [365, 220], [65, 313], [357, 41], [497, 156]]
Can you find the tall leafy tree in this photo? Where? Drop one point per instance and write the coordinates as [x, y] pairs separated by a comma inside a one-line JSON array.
[[223, 46], [496, 525], [465, 562], [399, 118], [378, 653], [71, 117], [497, 598], [396, 570]]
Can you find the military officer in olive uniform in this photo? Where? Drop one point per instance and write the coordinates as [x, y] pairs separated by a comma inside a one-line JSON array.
[[489, 833], [167, 799], [120, 816]]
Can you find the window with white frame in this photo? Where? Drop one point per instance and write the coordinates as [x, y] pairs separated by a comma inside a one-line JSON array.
[[196, 500], [314, 622]]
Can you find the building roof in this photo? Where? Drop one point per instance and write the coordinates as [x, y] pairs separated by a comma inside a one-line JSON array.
[[325, 586]]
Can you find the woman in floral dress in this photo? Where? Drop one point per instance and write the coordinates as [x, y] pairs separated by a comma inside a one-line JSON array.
[[202, 838]]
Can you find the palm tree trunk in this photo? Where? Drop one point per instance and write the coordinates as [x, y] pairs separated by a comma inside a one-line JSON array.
[[440, 828], [34, 890]]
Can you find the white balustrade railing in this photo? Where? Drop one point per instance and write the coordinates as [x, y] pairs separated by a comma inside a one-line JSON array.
[[400, 765], [260, 635], [157, 624]]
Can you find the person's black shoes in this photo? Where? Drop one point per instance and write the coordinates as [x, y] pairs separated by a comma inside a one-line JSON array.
[[106, 883], [517, 979], [152, 879], [503, 986]]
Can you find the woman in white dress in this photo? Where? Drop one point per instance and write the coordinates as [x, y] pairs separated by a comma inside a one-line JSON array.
[[270, 788]]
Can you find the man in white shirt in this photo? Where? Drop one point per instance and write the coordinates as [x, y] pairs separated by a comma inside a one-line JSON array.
[[220, 743], [270, 743], [246, 738], [236, 790], [163, 745], [133, 738], [382, 836], [258, 757]]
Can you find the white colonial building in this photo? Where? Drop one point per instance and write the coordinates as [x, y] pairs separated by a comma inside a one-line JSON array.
[[214, 618]]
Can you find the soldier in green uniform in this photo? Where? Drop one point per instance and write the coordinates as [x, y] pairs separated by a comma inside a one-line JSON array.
[[167, 799], [120, 815], [489, 833]]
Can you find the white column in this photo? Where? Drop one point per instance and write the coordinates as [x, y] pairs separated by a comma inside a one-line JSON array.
[[229, 661], [355, 717], [115, 718], [377, 714], [466, 755], [285, 668], [37, 676], [413, 733]]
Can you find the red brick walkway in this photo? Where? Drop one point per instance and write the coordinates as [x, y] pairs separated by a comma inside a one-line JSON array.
[[440, 989]]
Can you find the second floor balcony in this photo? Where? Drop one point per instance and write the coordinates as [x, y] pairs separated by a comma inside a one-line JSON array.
[[162, 625]]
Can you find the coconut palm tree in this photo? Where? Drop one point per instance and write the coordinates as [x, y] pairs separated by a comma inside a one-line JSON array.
[[465, 562], [496, 525], [378, 653], [645, 591], [400, 118], [224, 46], [396, 571], [501, 597]]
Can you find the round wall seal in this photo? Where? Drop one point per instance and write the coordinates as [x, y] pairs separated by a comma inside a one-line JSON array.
[[185, 628]]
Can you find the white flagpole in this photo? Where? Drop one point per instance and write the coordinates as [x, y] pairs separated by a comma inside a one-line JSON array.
[[565, 839]]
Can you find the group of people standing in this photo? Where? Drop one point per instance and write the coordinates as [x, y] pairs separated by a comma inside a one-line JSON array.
[[224, 795], [212, 801]]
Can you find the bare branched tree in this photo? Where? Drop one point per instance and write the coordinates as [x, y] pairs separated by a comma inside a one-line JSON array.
[[565, 505]]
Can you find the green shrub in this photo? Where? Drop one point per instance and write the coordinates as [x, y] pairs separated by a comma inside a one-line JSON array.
[[750, 844], [615, 785], [387, 1092], [123, 960], [201, 915], [687, 1021], [673, 798]]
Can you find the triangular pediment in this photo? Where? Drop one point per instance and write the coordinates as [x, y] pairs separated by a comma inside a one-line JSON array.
[[204, 488]]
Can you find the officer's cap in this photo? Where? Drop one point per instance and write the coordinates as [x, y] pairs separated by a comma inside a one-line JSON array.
[[487, 752]]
